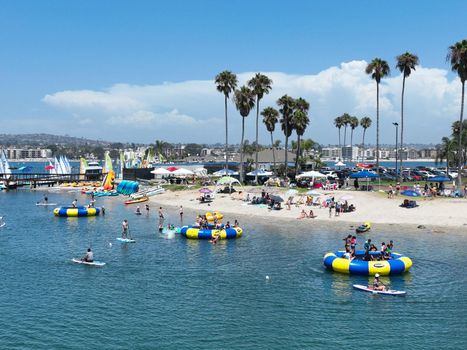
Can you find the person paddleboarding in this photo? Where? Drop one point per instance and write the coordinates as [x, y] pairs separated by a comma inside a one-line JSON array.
[[89, 256]]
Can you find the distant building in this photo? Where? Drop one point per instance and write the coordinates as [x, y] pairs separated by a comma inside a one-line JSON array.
[[27, 153], [349, 153]]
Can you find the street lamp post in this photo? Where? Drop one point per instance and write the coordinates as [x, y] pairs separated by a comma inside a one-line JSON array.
[[397, 133]]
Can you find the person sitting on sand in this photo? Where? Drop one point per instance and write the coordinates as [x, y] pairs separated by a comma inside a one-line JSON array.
[[311, 215], [89, 257], [302, 214], [377, 284]]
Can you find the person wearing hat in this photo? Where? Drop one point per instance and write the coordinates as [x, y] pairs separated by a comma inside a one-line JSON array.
[[377, 284]]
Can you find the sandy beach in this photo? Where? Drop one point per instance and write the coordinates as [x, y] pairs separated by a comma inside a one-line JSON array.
[[374, 207]]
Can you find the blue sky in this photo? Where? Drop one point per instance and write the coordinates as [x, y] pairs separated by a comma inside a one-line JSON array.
[[142, 70]]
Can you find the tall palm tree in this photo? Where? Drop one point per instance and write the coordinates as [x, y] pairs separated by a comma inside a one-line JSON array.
[[353, 125], [260, 84], [339, 123], [346, 121], [300, 122], [406, 64], [365, 123], [378, 69], [270, 118], [226, 82], [244, 101], [287, 106], [457, 55]]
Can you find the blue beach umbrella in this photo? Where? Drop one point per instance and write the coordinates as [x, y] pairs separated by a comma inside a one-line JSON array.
[[410, 193], [364, 174]]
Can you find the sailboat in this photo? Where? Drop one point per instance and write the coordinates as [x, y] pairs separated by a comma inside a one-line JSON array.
[[5, 172]]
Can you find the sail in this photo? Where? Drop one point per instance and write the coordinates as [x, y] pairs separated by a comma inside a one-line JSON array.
[[108, 163], [82, 168], [122, 164], [67, 165], [57, 166], [5, 165]]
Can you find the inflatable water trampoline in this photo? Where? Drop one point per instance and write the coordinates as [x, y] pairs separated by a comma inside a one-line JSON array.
[[76, 211]]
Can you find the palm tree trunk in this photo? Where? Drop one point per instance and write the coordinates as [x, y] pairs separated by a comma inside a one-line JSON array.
[[298, 154], [399, 176], [351, 143], [241, 150], [377, 128], [363, 146], [286, 147], [461, 148], [340, 149], [256, 157], [226, 136], [273, 151]]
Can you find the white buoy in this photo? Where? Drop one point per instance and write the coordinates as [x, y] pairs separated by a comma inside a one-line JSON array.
[[267, 277]]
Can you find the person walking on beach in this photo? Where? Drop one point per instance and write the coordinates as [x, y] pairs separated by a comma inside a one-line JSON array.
[[125, 228]]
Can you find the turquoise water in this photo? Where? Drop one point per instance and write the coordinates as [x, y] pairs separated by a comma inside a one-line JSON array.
[[180, 294]]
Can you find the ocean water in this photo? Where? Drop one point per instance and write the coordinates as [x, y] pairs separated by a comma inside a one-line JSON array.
[[182, 294]]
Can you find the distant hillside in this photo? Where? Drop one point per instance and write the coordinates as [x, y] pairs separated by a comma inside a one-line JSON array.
[[47, 139]]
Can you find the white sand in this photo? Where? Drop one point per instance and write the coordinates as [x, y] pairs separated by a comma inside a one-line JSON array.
[[374, 207]]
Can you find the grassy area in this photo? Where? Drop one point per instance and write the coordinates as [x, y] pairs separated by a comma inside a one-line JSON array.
[[174, 188]]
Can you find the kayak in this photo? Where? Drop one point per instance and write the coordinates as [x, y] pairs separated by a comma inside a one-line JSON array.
[[125, 240], [94, 263], [139, 200], [384, 292], [363, 228]]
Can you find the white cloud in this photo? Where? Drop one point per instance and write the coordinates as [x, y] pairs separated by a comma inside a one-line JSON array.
[[194, 111]]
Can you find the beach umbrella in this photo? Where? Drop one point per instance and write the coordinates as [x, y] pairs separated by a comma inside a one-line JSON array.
[[49, 167], [364, 174], [439, 179], [227, 180], [313, 193], [183, 171], [365, 166], [205, 190], [339, 164], [410, 193], [224, 172], [312, 174], [160, 171], [260, 172], [276, 198], [172, 168]]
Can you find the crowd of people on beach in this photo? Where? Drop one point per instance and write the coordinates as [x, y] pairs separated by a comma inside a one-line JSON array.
[[371, 252]]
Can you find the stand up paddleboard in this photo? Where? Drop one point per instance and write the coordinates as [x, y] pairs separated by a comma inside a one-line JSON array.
[[94, 263], [45, 204], [125, 240], [384, 292], [2, 224]]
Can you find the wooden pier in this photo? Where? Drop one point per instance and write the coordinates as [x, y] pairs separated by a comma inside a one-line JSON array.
[[34, 180]]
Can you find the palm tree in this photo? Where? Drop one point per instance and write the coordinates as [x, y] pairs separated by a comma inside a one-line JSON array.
[[260, 84], [270, 118], [287, 105], [300, 122], [378, 69], [226, 82], [346, 121], [457, 55], [353, 125], [406, 64], [339, 123], [244, 101], [365, 123]]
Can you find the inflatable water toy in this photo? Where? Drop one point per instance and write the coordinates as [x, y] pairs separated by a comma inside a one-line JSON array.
[[127, 187], [93, 263], [214, 216], [76, 211], [125, 240], [366, 226], [384, 292], [210, 233], [397, 264], [139, 200], [109, 180]]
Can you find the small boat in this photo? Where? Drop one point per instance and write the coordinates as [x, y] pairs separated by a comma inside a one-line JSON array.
[[384, 292], [366, 226], [139, 200], [125, 240], [93, 263]]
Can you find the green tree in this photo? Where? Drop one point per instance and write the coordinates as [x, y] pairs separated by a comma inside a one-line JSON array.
[[445, 151], [353, 125], [226, 83], [270, 118], [378, 69], [339, 123], [300, 123], [287, 105], [406, 64], [365, 123], [260, 84], [244, 99], [457, 55]]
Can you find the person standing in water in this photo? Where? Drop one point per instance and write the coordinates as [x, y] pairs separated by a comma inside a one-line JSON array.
[[161, 216], [46, 200], [125, 228], [181, 213]]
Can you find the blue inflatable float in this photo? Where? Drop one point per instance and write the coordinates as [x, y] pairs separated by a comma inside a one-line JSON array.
[[76, 211]]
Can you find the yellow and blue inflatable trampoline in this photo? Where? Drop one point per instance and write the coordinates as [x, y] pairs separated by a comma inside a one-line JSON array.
[[209, 233], [76, 211], [397, 264]]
